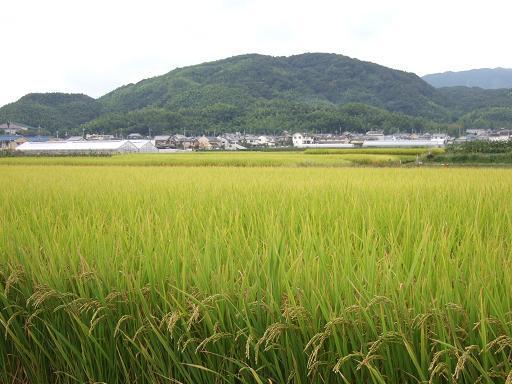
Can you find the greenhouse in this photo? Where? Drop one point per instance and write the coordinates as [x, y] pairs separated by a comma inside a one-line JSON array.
[[78, 147], [144, 146]]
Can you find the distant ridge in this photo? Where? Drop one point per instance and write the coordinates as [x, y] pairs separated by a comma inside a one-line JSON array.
[[486, 78]]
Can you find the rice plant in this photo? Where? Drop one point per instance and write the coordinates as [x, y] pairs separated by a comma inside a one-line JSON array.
[[255, 275], [227, 159]]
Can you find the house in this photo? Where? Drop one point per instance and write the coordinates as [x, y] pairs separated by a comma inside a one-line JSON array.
[[10, 142], [305, 141], [215, 142], [251, 140], [202, 143], [135, 136], [299, 139], [284, 140], [182, 142], [229, 142], [11, 128], [99, 137], [163, 142], [501, 135], [266, 141]]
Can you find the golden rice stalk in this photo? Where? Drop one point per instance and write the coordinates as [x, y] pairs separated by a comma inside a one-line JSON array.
[[343, 360], [16, 275], [169, 320], [194, 316], [211, 339], [123, 318], [509, 378], [270, 337], [499, 343], [461, 361], [294, 312]]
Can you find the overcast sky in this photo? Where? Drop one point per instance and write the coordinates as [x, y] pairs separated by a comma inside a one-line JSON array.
[[95, 46]]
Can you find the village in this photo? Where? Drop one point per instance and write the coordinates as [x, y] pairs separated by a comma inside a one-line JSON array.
[[14, 138]]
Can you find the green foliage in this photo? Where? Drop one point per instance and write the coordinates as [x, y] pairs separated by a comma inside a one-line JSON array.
[[461, 100], [477, 152], [488, 118], [481, 146], [262, 117], [52, 111], [274, 275], [264, 94]]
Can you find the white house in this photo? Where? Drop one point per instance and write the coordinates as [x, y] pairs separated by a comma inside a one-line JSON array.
[[299, 139], [305, 141], [266, 141]]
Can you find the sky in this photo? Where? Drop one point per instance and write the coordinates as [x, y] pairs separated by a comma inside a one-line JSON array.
[[95, 46]]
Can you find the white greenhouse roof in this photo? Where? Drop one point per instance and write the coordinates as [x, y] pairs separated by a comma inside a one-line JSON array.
[[404, 143], [141, 143], [78, 146]]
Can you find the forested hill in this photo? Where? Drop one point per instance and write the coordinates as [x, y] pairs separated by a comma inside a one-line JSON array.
[[257, 93], [485, 78], [306, 78], [52, 111]]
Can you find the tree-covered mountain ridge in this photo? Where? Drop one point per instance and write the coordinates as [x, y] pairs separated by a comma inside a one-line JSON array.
[[258, 93]]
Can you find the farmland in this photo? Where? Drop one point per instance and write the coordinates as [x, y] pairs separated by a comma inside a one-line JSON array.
[[386, 157], [268, 271]]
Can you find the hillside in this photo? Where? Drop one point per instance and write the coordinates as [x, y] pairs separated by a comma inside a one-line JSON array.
[[310, 78], [52, 111], [260, 93], [485, 78], [256, 93]]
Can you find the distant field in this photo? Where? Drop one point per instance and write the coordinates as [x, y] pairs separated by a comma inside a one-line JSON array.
[[228, 159], [253, 275], [375, 151]]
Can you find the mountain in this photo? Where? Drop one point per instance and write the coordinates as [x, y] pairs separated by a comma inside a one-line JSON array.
[[52, 111], [260, 93], [308, 78], [257, 93], [485, 78]]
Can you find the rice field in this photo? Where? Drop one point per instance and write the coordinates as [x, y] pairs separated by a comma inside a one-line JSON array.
[[388, 157], [147, 274]]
